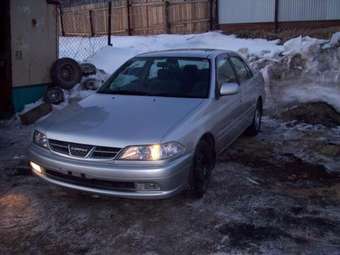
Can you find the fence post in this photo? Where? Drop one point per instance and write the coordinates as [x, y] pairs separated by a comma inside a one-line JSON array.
[[211, 2], [167, 17], [61, 21], [276, 16], [217, 21], [91, 23], [128, 5], [109, 24]]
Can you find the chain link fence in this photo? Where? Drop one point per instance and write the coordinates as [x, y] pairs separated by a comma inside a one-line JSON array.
[[80, 48], [79, 35], [86, 26]]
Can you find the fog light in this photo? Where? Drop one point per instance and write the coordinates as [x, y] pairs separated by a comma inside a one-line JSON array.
[[36, 168], [149, 186]]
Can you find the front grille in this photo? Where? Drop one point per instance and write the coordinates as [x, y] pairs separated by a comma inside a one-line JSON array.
[[91, 183], [59, 146], [105, 152], [83, 150]]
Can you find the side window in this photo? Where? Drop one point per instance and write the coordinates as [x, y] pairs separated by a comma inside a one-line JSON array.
[[225, 72], [241, 69]]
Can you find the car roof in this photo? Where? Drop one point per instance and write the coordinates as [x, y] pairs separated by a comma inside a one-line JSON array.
[[196, 53]]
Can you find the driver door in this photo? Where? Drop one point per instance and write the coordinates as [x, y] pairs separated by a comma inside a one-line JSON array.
[[227, 107]]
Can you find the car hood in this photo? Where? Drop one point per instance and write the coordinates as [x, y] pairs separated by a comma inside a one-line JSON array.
[[118, 120]]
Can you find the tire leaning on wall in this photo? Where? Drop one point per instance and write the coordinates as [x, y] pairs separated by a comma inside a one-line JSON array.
[[66, 73]]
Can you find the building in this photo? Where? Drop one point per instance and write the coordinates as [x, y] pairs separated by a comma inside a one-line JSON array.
[[270, 14], [28, 48]]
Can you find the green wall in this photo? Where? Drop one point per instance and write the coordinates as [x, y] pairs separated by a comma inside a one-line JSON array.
[[27, 94]]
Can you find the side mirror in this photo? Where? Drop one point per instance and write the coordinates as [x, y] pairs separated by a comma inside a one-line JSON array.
[[228, 89]]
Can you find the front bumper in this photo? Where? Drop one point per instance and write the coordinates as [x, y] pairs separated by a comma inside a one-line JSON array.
[[125, 177]]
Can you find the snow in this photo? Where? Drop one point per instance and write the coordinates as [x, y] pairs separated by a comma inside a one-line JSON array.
[[126, 47], [301, 45], [309, 93], [110, 59], [31, 106], [335, 39], [95, 51]]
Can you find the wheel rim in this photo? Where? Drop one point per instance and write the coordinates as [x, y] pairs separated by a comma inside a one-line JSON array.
[[66, 72]]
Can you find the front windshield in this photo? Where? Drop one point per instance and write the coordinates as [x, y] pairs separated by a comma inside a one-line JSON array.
[[161, 76]]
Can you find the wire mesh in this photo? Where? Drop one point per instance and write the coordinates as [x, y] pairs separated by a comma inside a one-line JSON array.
[[80, 48], [80, 34]]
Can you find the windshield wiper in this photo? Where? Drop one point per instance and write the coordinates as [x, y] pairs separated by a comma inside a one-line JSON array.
[[165, 94], [126, 92]]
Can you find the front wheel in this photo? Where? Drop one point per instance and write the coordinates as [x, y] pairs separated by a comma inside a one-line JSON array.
[[255, 127], [202, 167]]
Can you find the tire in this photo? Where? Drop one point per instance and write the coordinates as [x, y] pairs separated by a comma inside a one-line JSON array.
[[66, 73], [204, 162], [256, 125], [90, 84], [54, 95], [88, 69]]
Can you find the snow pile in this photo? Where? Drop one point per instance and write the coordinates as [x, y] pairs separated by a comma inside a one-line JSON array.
[[126, 47], [335, 40], [307, 70], [302, 45]]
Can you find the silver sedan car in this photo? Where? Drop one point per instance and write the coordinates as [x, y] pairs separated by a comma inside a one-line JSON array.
[[154, 128]]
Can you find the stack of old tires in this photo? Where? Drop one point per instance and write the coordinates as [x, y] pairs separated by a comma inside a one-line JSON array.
[[65, 74]]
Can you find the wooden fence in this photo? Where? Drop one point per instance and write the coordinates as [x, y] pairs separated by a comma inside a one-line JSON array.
[[138, 17]]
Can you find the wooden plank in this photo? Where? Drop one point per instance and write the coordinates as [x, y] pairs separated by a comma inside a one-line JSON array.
[[36, 113], [146, 17]]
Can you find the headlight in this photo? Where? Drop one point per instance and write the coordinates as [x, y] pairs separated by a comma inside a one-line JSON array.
[[152, 152], [40, 139]]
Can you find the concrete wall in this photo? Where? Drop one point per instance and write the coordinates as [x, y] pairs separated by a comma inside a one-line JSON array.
[[34, 41], [259, 11]]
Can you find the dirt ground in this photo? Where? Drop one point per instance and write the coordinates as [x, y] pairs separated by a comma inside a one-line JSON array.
[[278, 193]]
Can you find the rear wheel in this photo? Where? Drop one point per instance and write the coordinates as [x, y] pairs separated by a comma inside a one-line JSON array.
[[255, 127], [203, 165]]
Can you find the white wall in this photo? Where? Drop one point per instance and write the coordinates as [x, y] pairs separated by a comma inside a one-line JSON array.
[[304, 10], [34, 41], [246, 11], [252, 11]]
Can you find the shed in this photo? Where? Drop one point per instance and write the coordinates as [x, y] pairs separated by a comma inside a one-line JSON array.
[[270, 14], [28, 48]]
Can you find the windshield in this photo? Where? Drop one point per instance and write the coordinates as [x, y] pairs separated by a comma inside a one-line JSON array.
[[161, 76]]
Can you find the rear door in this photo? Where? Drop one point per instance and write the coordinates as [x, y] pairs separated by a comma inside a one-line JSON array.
[[248, 91], [227, 107]]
